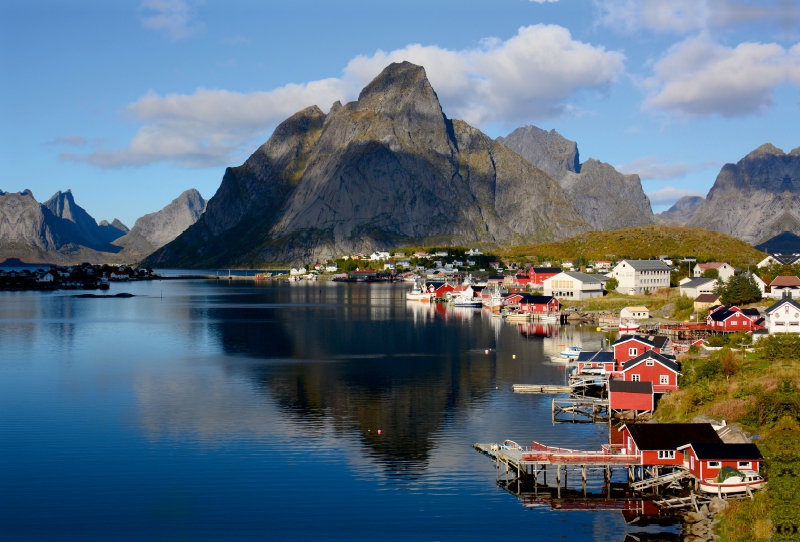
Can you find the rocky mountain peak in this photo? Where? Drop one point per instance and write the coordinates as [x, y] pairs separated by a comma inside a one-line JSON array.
[[396, 87], [549, 151], [765, 150], [163, 226]]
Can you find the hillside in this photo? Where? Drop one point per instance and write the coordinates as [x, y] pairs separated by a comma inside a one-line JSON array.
[[642, 242]]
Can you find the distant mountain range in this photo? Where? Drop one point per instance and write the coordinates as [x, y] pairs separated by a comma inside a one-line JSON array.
[[60, 231]]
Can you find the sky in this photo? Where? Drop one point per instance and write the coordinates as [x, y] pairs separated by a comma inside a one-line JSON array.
[[129, 103]]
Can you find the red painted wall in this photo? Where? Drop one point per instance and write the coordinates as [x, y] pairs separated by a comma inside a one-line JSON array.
[[621, 400], [653, 374], [621, 350]]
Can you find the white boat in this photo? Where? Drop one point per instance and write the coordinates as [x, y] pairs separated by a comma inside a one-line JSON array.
[[460, 300], [418, 294], [571, 352], [548, 318], [517, 317], [749, 479], [628, 324]]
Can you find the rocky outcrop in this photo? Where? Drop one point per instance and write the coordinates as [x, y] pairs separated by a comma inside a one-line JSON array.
[[681, 212], [604, 197], [163, 226], [26, 224], [756, 198], [80, 228], [385, 170]]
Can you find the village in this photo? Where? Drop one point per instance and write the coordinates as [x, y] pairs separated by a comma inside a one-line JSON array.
[[85, 276]]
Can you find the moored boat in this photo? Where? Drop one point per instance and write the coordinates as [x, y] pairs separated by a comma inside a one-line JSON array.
[[628, 324], [571, 352], [418, 294], [732, 482]]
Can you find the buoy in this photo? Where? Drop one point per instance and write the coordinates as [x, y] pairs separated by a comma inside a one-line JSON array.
[[514, 357], [487, 351], [379, 431]]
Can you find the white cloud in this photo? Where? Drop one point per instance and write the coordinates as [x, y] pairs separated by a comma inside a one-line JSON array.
[[528, 77], [71, 140], [698, 77], [687, 16], [175, 18], [669, 195], [648, 167]]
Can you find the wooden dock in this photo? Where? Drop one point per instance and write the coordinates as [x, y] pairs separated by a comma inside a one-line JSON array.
[[577, 409], [540, 388]]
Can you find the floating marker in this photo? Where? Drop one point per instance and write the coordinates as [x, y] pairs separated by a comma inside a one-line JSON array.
[[514, 356]]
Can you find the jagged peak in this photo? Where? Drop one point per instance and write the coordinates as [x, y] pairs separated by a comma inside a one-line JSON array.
[[398, 84], [765, 149], [795, 152]]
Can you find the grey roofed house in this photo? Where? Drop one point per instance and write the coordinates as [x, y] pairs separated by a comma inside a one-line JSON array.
[[775, 306], [671, 436], [670, 364], [583, 277], [694, 283], [624, 386], [786, 259]]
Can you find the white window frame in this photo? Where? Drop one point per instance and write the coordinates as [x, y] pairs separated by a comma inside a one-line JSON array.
[[664, 379], [636, 378], [745, 464], [714, 464], [649, 362], [666, 454], [633, 351]]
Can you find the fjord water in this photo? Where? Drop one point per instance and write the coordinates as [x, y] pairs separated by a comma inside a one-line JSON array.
[[230, 410]]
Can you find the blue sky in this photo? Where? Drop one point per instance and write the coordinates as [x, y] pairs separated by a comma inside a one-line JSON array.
[[130, 103]]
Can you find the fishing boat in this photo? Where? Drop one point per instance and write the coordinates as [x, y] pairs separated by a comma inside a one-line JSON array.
[[571, 352], [517, 317], [732, 481], [628, 324], [548, 317], [466, 300], [418, 294]]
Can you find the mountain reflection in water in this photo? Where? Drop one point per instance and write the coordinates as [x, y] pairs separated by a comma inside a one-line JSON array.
[[229, 410]]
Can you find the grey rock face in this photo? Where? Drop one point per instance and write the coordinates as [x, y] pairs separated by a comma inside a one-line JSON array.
[[680, 213], [82, 228], [549, 151], [387, 169], [26, 224], [604, 197], [756, 198], [161, 227]]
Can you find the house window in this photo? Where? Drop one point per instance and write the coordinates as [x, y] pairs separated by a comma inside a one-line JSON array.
[[713, 464], [666, 454], [633, 351], [793, 324], [745, 464], [650, 363], [634, 378], [664, 379]]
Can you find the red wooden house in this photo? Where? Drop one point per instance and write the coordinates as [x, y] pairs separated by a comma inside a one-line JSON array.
[[512, 300], [653, 367], [630, 346], [538, 275], [658, 443], [630, 396], [601, 363], [539, 304], [706, 460], [728, 318], [439, 290]]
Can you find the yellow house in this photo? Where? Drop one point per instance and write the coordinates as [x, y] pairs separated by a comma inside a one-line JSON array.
[[634, 312]]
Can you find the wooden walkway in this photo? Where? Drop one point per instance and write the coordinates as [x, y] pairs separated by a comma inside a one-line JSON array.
[[661, 480]]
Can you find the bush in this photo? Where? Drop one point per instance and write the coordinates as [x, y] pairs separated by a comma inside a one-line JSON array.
[[780, 346]]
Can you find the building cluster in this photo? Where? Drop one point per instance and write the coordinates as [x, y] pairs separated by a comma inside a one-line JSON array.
[[83, 276]]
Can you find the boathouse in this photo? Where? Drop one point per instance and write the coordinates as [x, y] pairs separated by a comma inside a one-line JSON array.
[[539, 304], [653, 367], [637, 397], [658, 443], [728, 318], [440, 291], [630, 346], [596, 363], [706, 460]]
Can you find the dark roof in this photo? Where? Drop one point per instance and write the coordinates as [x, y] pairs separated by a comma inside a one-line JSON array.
[[538, 299], [599, 357], [655, 356], [776, 306], [625, 338], [619, 385], [706, 298], [786, 259], [496, 277], [546, 269], [726, 451], [670, 436], [751, 312], [722, 314], [694, 283], [583, 277], [659, 341]]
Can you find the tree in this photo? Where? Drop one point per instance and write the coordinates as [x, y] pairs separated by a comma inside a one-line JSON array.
[[611, 284], [738, 290], [711, 273]]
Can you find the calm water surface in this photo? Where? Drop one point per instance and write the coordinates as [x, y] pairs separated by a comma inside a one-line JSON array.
[[205, 410]]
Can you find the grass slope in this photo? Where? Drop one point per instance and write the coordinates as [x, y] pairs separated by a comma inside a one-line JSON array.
[[642, 242]]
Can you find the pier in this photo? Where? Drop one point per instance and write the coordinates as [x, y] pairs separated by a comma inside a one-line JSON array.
[[580, 409]]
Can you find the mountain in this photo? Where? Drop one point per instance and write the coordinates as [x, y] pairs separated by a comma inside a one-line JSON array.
[[60, 231], [386, 170], [154, 230], [783, 243], [604, 197], [681, 212], [755, 199]]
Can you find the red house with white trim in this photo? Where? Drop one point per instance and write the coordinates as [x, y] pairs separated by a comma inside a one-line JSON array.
[[539, 304], [599, 363], [439, 290], [658, 443], [729, 318], [630, 346], [706, 460], [653, 367], [538, 275]]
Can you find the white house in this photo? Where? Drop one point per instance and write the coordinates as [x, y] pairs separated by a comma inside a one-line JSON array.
[[473, 252], [724, 270], [380, 255], [692, 288], [785, 285], [634, 312], [782, 259], [639, 276], [603, 265], [331, 268], [573, 286], [388, 266], [293, 271], [783, 317]]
